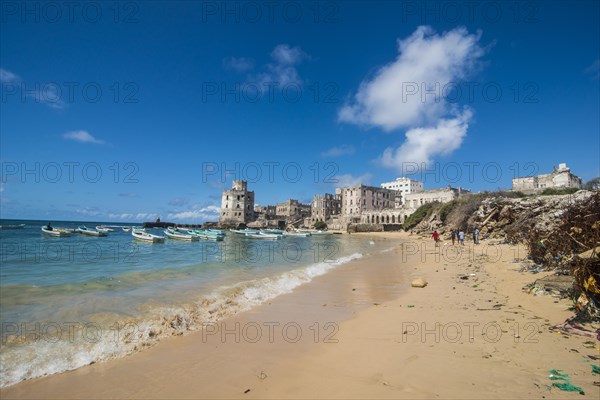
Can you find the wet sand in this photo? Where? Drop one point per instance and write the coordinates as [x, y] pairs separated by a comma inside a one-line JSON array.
[[362, 331]]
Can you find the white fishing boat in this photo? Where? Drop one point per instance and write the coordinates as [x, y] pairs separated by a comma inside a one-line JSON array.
[[141, 234], [90, 232], [272, 231], [177, 235], [297, 233], [264, 236], [126, 228], [105, 229], [205, 235], [56, 232], [243, 231]]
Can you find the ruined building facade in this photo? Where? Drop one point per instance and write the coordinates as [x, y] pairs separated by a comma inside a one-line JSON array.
[[323, 207], [561, 177]]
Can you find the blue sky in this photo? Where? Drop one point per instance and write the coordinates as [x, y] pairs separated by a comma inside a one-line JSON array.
[[133, 110]]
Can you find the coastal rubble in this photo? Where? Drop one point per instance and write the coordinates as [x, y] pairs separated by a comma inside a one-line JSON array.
[[561, 233]]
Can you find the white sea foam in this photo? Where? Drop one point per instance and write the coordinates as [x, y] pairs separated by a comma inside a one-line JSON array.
[[36, 358]]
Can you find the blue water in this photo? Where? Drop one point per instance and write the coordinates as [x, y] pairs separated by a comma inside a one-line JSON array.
[[67, 302]]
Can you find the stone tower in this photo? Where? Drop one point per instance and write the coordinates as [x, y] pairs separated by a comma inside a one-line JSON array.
[[237, 205]]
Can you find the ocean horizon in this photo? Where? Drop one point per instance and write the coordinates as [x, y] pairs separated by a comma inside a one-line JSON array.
[[69, 302]]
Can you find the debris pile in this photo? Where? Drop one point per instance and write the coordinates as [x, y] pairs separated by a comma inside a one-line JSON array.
[[561, 232], [572, 246], [513, 218]]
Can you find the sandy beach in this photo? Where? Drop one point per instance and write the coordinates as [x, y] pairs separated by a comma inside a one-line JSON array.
[[362, 331]]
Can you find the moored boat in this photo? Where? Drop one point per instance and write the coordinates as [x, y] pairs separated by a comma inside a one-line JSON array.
[[56, 232], [105, 229], [296, 233], [126, 228], [243, 231], [18, 226], [178, 235], [206, 235], [90, 232], [265, 236], [272, 231], [141, 234]]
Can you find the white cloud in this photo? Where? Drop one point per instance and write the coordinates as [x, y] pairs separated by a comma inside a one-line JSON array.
[[144, 217], [8, 77], [409, 93], [351, 180], [283, 54], [282, 70], [426, 60], [48, 94], [196, 213], [88, 211], [422, 144], [238, 64], [338, 151], [82, 137], [594, 69]]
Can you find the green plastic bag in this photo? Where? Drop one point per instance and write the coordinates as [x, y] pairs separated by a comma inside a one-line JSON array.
[[567, 387]]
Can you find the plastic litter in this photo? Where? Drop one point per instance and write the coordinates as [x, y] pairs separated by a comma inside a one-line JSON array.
[[558, 375], [566, 385]]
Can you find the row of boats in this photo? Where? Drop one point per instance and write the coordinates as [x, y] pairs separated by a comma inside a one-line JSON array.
[[184, 234], [275, 234], [190, 235]]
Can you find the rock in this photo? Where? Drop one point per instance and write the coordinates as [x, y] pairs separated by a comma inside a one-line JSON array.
[[419, 283]]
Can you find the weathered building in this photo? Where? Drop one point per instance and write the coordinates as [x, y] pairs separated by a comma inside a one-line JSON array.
[[237, 204], [442, 195], [291, 209], [356, 199], [404, 186], [323, 207], [560, 177], [265, 212], [389, 216]]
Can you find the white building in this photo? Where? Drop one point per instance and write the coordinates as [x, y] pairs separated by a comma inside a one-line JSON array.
[[404, 186]]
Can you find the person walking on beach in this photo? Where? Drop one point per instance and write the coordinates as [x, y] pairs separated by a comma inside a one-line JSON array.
[[476, 235], [436, 237], [452, 236], [461, 237]]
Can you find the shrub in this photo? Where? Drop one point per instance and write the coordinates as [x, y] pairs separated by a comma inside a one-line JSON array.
[[320, 225], [558, 191], [419, 215]]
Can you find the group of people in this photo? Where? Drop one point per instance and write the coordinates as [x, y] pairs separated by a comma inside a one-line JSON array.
[[457, 235]]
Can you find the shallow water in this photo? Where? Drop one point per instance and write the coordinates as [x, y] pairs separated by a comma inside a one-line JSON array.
[[68, 302]]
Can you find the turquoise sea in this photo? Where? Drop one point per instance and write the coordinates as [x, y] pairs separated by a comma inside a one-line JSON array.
[[68, 302]]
